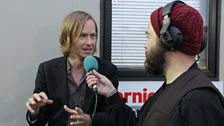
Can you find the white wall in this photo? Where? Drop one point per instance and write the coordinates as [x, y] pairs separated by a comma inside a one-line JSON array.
[[28, 36]]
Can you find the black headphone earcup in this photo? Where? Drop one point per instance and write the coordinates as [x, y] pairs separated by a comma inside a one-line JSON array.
[[176, 38], [203, 45], [170, 36]]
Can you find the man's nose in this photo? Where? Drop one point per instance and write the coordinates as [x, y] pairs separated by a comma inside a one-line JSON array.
[[89, 40]]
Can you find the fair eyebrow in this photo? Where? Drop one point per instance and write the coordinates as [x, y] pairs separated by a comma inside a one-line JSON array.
[[83, 33]]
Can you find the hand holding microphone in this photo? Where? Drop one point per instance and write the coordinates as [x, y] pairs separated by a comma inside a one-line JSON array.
[[95, 80], [104, 85], [90, 63]]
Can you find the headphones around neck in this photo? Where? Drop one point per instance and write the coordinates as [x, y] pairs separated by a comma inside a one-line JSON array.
[[170, 36]]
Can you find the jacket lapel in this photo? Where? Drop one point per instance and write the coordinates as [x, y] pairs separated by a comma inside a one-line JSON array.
[[61, 81]]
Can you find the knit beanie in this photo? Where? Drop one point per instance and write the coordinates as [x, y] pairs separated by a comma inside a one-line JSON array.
[[188, 20]]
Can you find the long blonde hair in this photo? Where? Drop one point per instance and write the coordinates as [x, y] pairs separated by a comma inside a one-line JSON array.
[[71, 29]]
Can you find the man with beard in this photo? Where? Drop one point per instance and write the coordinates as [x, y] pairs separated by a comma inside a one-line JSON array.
[[187, 97]]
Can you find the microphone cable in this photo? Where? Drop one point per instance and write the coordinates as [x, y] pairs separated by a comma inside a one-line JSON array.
[[95, 106]]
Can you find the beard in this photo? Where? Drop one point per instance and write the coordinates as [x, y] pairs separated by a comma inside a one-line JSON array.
[[154, 62]]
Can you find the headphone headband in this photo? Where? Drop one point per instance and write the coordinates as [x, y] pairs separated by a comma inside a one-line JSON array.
[[168, 7], [170, 36]]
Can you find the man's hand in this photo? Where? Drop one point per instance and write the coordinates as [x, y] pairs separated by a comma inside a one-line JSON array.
[[36, 101], [78, 117], [104, 85]]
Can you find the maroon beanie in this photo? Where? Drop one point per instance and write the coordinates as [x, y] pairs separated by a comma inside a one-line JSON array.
[[188, 20]]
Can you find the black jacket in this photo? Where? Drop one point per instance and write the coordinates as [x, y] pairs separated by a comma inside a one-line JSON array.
[[52, 79], [191, 100]]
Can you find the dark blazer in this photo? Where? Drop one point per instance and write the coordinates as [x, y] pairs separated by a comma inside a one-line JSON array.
[[52, 79]]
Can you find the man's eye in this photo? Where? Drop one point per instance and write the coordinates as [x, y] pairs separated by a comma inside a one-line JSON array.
[[93, 36], [82, 36], [147, 35]]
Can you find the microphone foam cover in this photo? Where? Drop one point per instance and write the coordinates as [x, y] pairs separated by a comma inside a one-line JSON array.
[[90, 63]]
